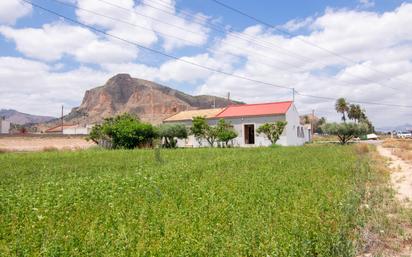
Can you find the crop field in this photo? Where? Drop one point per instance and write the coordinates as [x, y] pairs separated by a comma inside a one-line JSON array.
[[290, 201]]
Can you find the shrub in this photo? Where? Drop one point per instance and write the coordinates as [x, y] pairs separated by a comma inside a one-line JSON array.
[[202, 130], [169, 132], [272, 130], [123, 131], [345, 131], [198, 128], [225, 132]]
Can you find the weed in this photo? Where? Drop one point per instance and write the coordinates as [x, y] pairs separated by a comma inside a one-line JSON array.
[[288, 201]]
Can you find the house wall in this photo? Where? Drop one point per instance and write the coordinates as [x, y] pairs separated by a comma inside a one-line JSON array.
[[77, 131], [293, 136], [289, 136], [4, 126]]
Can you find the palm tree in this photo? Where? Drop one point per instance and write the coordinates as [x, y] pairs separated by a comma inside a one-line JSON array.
[[341, 106], [355, 112]]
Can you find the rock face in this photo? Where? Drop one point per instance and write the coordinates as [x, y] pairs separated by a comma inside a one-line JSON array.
[[23, 118], [150, 101]]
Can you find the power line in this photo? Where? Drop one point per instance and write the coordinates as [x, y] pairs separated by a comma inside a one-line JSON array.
[[236, 35], [153, 50], [165, 34], [354, 101], [189, 62], [299, 38]]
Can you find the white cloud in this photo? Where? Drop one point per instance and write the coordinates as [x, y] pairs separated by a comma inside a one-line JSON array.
[[381, 47], [42, 89], [184, 72], [366, 3], [52, 41], [11, 10], [144, 24], [276, 58]]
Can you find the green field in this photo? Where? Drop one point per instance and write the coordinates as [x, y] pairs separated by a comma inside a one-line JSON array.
[[290, 201]]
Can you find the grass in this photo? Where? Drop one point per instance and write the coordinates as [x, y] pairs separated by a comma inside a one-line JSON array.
[[288, 201], [401, 148]]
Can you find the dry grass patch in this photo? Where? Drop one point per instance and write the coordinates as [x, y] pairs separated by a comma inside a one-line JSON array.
[[362, 148], [401, 148], [387, 230]]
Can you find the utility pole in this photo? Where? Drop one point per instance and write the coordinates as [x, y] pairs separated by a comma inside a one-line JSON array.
[[228, 98], [62, 119], [293, 95], [311, 121]]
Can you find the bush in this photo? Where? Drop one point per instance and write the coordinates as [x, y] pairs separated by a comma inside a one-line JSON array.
[[123, 131], [169, 133], [202, 130], [272, 130], [345, 131], [225, 132]]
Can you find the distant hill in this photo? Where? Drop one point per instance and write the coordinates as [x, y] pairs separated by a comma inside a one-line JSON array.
[[403, 127], [150, 101], [20, 118]]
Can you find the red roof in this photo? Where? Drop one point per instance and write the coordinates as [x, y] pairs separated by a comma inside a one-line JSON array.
[[255, 109]]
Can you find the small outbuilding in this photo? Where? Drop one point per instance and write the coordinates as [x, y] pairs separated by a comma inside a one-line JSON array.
[[4, 126], [246, 119]]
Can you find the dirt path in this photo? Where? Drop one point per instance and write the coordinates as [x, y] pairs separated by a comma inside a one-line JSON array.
[[28, 144], [401, 177]]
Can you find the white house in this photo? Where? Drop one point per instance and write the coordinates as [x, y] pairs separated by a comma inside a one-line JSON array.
[[77, 130], [4, 126], [246, 118]]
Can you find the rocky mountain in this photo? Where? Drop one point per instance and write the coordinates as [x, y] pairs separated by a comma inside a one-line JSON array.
[[150, 101], [23, 118]]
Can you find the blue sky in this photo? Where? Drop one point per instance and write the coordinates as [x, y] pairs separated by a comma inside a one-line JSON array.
[[46, 61]]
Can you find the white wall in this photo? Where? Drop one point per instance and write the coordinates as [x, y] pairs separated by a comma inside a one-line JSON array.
[[77, 130], [292, 117], [4, 127], [288, 138]]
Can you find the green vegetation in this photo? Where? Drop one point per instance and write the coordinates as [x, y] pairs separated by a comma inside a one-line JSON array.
[[222, 133], [225, 132], [169, 133], [288, 201], [345, 131], [123, 131], [272, 130]]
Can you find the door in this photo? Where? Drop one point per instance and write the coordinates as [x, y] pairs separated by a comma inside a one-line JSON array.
[[249, 134]]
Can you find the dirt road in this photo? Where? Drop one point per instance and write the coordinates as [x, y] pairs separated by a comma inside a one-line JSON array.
[[401, 176], [29, 144]]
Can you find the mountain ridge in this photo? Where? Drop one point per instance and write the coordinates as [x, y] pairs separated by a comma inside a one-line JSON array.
[[150, 101], [22, 118]]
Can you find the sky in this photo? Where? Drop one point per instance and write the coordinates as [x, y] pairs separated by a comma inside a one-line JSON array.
[[357, 49]]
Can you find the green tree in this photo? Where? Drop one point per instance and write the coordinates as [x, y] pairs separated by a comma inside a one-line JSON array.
[[198, 128], [211, 134], [225, 132], [123, 131], [272, 130], [319, 123], [341, 106], [169, 133], [345, 131], [355, 112]]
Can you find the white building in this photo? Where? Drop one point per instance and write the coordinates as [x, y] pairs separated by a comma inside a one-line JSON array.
[[246, 118], [4, 126], [77, 130]]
